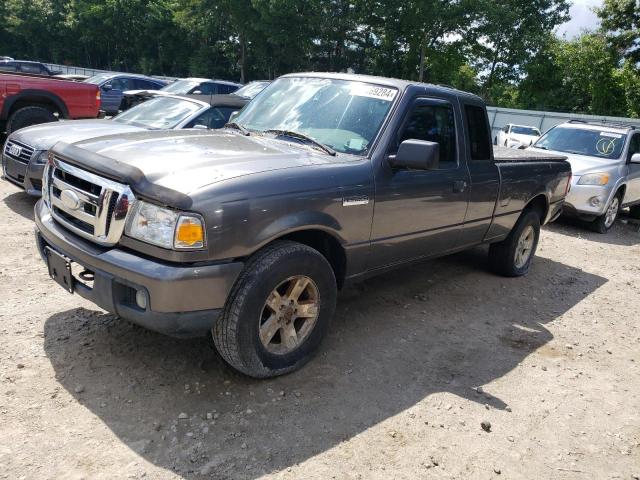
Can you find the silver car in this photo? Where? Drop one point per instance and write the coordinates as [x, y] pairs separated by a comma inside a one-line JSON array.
[[25, 151], [605, 159]]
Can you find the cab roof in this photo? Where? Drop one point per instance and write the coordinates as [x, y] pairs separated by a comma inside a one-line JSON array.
[[383, 81]]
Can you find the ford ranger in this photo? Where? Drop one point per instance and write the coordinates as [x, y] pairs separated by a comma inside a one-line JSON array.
[[248, 232]]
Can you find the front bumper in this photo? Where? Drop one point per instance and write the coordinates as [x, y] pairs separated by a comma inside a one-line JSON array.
[[182, 300], [581, 199], [27, 176]]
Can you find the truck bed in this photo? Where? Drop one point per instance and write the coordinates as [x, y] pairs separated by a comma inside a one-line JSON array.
[[503, 154]]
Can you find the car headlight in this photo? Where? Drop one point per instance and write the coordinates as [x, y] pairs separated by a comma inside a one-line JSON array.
[[42, 157], [594, 179], [165, 227]]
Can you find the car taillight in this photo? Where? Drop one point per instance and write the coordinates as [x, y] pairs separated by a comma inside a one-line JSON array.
[[98, 97]]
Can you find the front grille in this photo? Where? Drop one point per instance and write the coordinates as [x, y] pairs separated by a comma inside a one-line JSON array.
[[87, 204], [18, 151]]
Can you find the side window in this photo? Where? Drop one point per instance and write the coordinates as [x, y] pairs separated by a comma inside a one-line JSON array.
[[30, 68], [228, 88], [434, 123], [8, 67], [120, 84], [634, 145], [215, 117], [478, 127], [206, 88]]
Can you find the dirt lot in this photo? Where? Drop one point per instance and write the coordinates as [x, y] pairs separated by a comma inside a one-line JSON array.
[[416, 360]]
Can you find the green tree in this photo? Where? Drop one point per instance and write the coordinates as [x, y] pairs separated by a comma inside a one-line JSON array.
[[621, 20]]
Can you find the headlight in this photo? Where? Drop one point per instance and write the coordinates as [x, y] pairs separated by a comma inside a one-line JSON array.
[[594, 179], [165, 227], [42, 157]]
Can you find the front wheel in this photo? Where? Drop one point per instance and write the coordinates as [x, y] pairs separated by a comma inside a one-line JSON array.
[[605, 222], [278, 311], [512, 257], [28, 116]]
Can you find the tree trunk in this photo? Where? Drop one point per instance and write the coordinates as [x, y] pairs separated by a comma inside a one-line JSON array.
[[243, 59]]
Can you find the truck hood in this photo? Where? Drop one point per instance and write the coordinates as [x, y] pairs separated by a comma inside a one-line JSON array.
[[45, 135], [186, 160], [583, 164]]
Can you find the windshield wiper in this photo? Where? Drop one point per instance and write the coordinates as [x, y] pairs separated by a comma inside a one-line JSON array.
[[302, 136], [237, 126]]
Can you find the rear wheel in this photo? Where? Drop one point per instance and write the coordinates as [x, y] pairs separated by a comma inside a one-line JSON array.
[[27, 116], [278, 312], [605, 222], [512, 257]]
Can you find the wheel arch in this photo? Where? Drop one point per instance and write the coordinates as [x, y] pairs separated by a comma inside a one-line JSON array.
[[29, 98], [316, 230], [538, 203]]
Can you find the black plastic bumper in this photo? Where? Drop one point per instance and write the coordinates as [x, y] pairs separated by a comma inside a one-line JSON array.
[[182, 301], [27, 176]]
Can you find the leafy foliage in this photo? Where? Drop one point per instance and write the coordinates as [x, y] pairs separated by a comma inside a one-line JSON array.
[[504, 50]]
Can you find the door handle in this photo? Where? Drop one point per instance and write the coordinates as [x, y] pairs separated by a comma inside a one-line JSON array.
[[459, 186]]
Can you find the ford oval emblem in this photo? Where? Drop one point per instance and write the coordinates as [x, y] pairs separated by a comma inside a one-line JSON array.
[[70, 199]]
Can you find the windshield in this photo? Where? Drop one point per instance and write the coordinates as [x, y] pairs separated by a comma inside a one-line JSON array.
[[250, 90], [534, 132], [343, 115], [97, 79], [159, 113], [180, 87], [582, 141]]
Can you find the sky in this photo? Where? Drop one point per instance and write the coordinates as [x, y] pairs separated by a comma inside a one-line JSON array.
[[581, 17]]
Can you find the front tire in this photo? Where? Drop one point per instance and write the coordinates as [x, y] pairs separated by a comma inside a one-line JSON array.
[[278, 311], [28, 116], [512, 257], [605, 222]]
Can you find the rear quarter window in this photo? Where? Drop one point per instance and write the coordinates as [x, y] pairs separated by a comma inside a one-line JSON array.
[[479, 136]]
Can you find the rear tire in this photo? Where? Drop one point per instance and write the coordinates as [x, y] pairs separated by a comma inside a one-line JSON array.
[[27, 116], [261, 297], [605, 222], [512, 257]]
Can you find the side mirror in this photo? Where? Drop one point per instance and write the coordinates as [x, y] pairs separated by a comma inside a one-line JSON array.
[[107, 86], [197, 92], [416, 155], [234, 115], [200, 127], [635, 158]]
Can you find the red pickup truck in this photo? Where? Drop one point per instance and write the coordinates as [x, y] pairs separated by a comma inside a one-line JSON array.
[[31, 99]]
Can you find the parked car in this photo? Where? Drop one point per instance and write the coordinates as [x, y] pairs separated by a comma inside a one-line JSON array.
[[251, 89], [248, 232], [76, 77], [605, 159], [24, 167], [516, 136], [113, 86], [185, 86], [26, 66], [5, 58], [29, 100]]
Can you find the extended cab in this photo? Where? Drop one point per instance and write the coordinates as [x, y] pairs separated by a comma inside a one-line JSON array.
[[31, 99], [248, 232]]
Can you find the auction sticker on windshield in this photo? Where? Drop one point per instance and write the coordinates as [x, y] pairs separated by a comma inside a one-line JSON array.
[[372, 91], [610, 135]]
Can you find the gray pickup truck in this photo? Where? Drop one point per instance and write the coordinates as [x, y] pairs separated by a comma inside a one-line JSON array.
[[249, 232]]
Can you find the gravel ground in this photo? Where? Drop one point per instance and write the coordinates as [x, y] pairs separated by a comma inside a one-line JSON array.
[[440, 370]]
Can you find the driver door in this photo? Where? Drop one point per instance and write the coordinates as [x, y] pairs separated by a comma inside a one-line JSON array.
[[632, 194], [420, 213]]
